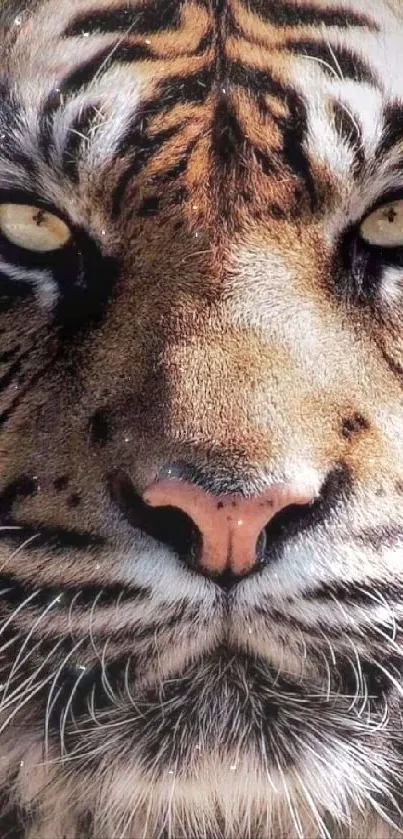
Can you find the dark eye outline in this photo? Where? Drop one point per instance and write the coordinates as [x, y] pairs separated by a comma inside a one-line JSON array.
[[359, 265], [84, 273]]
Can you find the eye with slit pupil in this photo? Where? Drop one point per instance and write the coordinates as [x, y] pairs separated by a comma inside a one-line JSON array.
[[384, 226], [33, 228]]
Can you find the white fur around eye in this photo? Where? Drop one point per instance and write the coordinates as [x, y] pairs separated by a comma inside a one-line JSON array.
[[384, 227], [32, 228]]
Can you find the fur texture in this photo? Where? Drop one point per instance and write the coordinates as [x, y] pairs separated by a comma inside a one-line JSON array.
[[215, 313]]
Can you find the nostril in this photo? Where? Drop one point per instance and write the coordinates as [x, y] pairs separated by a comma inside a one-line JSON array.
[[288, 522], [222, 537], [233, 528], [168, 525]]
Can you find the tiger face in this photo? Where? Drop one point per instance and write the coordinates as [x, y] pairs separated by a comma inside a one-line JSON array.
[[201, 301]]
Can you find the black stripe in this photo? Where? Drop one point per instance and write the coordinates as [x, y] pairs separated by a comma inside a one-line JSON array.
[[14, 820], [350, 132], [144, 148], [56, 539], [11, 374], [357, 593], [194, 88], [281, 13], [204, 43], [392, 132], [149, 206], [8, 355], [14, 370], [81, 77], [256, 82], [137, 143], [337, 61], [15, 591], [319, 628], [22, 487], [295, 157], [293, 127], [8, 412], [227, 137], [73, 689], [267, 163], [173, 172], [154, 16]]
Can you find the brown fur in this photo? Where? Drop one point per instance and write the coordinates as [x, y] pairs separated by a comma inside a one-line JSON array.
[[233, 339]]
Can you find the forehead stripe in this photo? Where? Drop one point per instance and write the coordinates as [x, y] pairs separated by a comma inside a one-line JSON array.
[[148, 19], [293, 14]]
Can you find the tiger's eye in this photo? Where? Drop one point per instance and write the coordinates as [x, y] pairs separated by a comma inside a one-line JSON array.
[[32, 228], [384, 227]]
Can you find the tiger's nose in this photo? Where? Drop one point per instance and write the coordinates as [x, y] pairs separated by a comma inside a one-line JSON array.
[[231, 526]]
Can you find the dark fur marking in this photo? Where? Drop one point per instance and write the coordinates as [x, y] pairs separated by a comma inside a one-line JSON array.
[[353, 425], [61, 483], [55, 539], [84, 74], [289, 14], [74, 500], [392, 132], [11, 375], [154, 16], [14, 591], [351, 592], [33, 381], [293, 127], [100, 427], [23, 487], [177, 169], [267, 164], [13, 821], [194, 88], [81, 77], [228, 139], [149, 206], [8, 355], [339, 61], [143, 149]]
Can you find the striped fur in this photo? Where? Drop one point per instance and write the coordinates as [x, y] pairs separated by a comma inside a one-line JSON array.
[[216, 312]]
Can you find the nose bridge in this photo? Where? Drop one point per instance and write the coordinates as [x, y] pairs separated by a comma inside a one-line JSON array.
[[267, 392], [222, 383]]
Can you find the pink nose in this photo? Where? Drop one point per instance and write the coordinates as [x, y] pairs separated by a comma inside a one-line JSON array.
[[229, 525]]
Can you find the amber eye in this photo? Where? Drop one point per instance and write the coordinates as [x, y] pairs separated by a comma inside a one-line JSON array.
[[33, 229], [384, 227]]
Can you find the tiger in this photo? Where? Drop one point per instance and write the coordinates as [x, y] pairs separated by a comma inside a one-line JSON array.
[[201, 419]]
